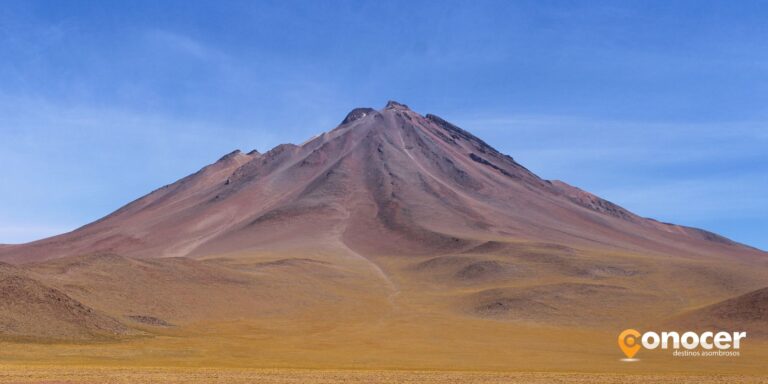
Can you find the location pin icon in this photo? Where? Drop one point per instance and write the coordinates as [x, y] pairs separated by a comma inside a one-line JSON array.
[[628, 342]]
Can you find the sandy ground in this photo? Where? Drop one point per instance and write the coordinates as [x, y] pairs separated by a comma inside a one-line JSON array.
[[33, 374]]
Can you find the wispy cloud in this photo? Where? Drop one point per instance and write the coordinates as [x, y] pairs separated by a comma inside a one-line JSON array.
[[694, 173], [184, 44], [577, 125], [740, 196], [16, 233], [575, 141], [76, 163]]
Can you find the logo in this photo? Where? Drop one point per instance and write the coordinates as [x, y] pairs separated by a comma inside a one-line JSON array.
[[628, 342], [687, 344]]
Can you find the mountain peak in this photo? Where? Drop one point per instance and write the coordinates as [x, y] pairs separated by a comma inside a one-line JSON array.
[[396, 105], [230, 155], [356, 114]]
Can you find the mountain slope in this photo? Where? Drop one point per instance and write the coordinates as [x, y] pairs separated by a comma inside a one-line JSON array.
[[383, 182]]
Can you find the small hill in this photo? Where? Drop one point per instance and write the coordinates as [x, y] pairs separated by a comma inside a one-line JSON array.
[[30, 310], [747, 312], [575, 304]]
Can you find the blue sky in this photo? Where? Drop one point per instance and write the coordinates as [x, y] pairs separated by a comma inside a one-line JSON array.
[[657, 106]]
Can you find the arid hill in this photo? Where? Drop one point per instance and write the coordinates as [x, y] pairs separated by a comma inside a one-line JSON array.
[[747, 312], [31, 311]]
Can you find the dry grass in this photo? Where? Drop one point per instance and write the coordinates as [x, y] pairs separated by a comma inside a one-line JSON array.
[[264, 317], [27, 374]]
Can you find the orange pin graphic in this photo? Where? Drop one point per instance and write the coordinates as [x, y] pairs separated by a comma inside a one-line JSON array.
[[628, 342]]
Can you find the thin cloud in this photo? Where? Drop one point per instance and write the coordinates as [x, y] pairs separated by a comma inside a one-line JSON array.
[[570, 125], [691, 173], [16, 233], [184, 44], [696, 199]]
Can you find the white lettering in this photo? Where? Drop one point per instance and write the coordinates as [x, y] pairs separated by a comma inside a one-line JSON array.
[[665, 336], [646, 340], [737, 336], [722, 340], [690, 340]]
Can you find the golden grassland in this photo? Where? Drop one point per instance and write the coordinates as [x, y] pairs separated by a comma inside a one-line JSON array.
[[407, 325], [51, 375], [480, 351]]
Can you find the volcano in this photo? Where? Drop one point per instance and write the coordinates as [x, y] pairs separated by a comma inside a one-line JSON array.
[[383, 182], [387, 221]]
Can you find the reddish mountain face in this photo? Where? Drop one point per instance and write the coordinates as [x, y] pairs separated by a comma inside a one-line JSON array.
[[384, 182]]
